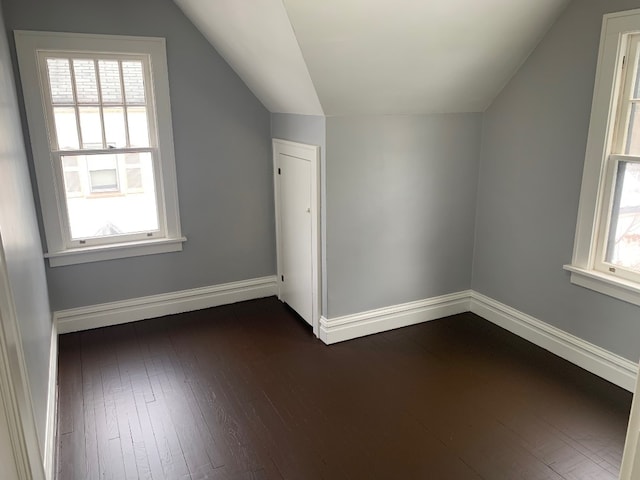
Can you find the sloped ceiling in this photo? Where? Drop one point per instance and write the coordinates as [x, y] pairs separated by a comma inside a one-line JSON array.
[[352, 57]]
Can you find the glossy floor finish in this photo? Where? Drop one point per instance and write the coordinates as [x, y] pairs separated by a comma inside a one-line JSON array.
[[246, 392]]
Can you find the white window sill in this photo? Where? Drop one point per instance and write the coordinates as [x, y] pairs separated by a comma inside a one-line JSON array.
[[607, 284], [114, 251]]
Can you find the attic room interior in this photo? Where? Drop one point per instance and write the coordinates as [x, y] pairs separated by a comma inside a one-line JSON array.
[[474, 208]]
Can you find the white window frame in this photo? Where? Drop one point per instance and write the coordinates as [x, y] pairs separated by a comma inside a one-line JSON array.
[[587, 266], [51, 187]]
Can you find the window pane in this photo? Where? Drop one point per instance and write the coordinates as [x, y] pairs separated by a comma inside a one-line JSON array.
[[134, 178], [110, 81], [114, 127], [132, 159], [623, 246], [66, 128], [138, 128], [85, 77], [133, 82], [633, 133], [69, 163], [636, 88], [96, 215], [60, 80], [91, 127], [72, 182]]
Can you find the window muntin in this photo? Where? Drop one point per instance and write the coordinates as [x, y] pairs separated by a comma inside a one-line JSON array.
[[98, 121], [103, 96], [618, 239]]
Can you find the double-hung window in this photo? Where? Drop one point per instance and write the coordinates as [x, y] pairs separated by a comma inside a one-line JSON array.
[[607, 248], [100, 126]]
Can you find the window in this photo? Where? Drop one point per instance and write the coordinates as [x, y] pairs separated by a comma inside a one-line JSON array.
[[100, 125], [607, 247]]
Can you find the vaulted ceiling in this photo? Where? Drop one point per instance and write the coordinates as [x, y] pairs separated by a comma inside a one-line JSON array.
[[351, 57]]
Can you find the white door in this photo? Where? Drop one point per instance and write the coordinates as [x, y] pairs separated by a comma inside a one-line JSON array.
[[630, 469], [297, 219]]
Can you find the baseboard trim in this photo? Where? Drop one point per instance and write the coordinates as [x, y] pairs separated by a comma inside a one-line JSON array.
[[597, 360], [52, 408], [153, 306], [357, 325]]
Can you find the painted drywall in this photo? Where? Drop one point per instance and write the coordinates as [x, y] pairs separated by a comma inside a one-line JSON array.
[[533, 146], [310, 129], [22, 246], [223, 158], [400, 203]]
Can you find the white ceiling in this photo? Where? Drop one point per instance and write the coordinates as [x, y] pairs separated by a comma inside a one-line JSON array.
[[348, 57], [255, 37]]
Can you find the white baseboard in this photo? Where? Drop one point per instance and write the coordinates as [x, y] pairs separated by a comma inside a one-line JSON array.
[[114, 313], [597, 360], [592, 358], [375, 321], [52, 408]]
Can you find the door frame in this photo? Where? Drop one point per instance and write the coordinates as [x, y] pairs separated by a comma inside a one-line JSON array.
[[310, 153], [630, 468], [14, 387]]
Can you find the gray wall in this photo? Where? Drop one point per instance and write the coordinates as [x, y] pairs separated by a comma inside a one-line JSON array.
[[21, 244], [533, 146], [310, 129], [400, 201], [223, 158]]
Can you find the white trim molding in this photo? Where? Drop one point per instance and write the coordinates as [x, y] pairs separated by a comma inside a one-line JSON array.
[[588, 266], [115, 313], [616, 287], [594, 359], [597, 360], [357, 325], [32, 49], [15, 392], [52, 408]]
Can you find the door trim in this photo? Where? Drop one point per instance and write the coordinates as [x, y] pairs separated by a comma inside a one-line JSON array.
[[630, 467], [14, 387], [310, 153]]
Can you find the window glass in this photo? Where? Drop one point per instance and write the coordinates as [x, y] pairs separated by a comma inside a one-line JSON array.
[[623, 246], [114, 127], [108, 210], [84, 73], [110, 85], [133, 77], [66, 128], [60, 81], [90, 127], [138, 126]]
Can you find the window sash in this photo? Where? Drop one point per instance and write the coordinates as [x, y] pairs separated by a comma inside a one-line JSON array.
[[57, 153], [607, 228], [69, 241], [76, 105]]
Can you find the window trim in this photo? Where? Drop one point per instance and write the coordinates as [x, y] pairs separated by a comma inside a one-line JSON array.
[[58, 252], [594, 190]]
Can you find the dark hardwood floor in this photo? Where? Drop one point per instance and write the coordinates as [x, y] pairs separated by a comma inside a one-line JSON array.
[[246, 392]]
